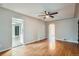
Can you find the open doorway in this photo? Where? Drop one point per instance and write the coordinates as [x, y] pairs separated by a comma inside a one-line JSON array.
[[78, 31], [17, 32], [51, 36]]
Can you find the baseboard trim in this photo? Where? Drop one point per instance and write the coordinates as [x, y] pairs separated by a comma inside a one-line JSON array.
[[6, 49], [69, 41], [34, 41]]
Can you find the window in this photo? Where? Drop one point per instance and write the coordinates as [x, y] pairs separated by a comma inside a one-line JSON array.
[[16, 30]]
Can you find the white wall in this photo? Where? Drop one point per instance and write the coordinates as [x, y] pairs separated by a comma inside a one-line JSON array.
[[34, 29], [0, 5], [5, 30], [67, 29], [77, 10]]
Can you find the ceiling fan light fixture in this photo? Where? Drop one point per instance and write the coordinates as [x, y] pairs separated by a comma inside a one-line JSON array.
[[47, 16]]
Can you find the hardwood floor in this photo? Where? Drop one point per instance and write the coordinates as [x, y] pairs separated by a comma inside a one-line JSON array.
[[42, 49]]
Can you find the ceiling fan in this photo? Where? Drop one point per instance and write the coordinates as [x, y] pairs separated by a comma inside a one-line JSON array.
[[48, 14]]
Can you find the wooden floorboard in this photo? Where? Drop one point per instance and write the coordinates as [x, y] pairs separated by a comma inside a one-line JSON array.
[[41, 48]]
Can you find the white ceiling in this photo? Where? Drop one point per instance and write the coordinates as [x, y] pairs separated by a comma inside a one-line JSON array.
[[65, 10]]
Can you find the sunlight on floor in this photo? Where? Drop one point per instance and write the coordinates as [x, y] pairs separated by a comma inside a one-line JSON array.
[[52, 45]]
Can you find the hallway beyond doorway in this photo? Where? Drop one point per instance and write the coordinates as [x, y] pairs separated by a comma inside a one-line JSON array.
[[17, 32]]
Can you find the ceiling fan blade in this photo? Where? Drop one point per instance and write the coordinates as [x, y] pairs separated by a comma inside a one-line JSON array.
[[52, 16], [53, 13]]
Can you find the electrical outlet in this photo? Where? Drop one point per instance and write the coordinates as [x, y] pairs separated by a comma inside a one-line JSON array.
[[64, 39]]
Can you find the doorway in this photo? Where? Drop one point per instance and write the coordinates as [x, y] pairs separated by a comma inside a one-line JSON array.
[[17, 32], [78, 31], [51, 36]]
